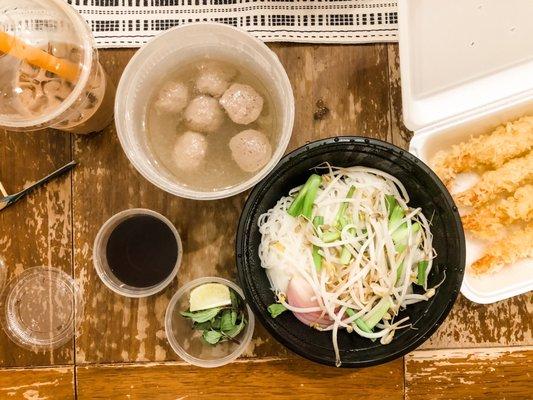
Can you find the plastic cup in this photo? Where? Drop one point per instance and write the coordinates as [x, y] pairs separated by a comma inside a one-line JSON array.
[[162, 56], [188, 343], [104, 270], [41, 308], [49, 70]]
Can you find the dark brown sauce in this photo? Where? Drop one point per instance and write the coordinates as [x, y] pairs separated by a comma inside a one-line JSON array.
[[142, 251]]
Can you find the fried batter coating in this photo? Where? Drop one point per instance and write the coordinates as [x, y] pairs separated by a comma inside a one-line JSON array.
[[506, 179], [490, 220], [514, 247], [486, 151]]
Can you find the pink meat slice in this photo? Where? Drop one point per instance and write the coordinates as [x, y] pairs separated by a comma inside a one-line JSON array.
[[300, 294]]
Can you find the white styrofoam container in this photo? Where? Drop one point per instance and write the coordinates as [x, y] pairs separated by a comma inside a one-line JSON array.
[[467, 67]]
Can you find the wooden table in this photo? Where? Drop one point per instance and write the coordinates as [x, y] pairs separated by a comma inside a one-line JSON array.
[[480, 351]]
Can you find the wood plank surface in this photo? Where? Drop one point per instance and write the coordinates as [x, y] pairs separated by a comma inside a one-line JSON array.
[[36, 231], [37, 384], [491, 373], [351, 82], [338, 90], [268, 379]]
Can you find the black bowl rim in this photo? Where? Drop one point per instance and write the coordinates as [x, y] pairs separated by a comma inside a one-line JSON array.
[[240, 240]]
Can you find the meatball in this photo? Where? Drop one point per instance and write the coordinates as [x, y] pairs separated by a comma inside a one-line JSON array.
[[242, 103], [190, 150], [214, 78], [204, 114], [250, 149], [173, 97]]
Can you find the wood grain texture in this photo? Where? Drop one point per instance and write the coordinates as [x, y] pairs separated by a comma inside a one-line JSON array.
[[37, 384], [269, 379], [493, 373], [400, 135], [350, 81], [505, 323], [36, 231]]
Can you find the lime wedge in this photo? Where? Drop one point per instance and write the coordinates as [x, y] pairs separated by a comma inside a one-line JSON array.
[[209, 295]]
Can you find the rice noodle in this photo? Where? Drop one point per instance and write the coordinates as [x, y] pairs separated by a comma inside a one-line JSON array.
[[374, 272]]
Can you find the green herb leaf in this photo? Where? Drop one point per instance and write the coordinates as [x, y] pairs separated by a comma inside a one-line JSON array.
[[215, 322], [276, 309], [203, 326], [201, 316], [212, 337], [235, 301], [225, 321], [237, 328]]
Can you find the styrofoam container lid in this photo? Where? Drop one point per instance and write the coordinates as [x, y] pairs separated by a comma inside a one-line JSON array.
[[459, 56]]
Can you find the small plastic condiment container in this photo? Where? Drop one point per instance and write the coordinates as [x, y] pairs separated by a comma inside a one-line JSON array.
[[188, 343], [103, 269], [49, 70], [163, 56], [455, 86], [41, 308]]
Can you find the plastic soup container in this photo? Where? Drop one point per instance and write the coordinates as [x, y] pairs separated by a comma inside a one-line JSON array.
[[49, 70], [455, 86], [163, 56]]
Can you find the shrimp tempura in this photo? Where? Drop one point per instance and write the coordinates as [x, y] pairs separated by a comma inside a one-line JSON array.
[[506, 179], [512, 248], [489, 221], [491, 151]]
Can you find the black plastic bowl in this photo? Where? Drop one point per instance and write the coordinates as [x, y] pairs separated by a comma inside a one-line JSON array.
[[425, 191]]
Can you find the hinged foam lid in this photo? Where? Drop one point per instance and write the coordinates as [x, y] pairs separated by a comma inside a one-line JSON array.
[[458, 56]]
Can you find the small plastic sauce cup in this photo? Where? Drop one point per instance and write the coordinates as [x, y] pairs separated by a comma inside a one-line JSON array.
[[188, 343], [104, 270]]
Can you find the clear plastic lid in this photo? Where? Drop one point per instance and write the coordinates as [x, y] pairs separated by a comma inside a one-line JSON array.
[[40, 307], [46, 56], [188, 343]]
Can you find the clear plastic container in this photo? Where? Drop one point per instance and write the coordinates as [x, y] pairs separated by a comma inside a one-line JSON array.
[[162, 56], [49, 70], [41, 308], [103, 269], [188, 343]]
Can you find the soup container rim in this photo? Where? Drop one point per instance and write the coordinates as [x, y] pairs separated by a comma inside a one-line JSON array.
[[124, 125], [104, 272], [180, 351], [252, 291]]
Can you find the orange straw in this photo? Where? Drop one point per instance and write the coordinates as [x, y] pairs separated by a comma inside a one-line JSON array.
[[37, 57]]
